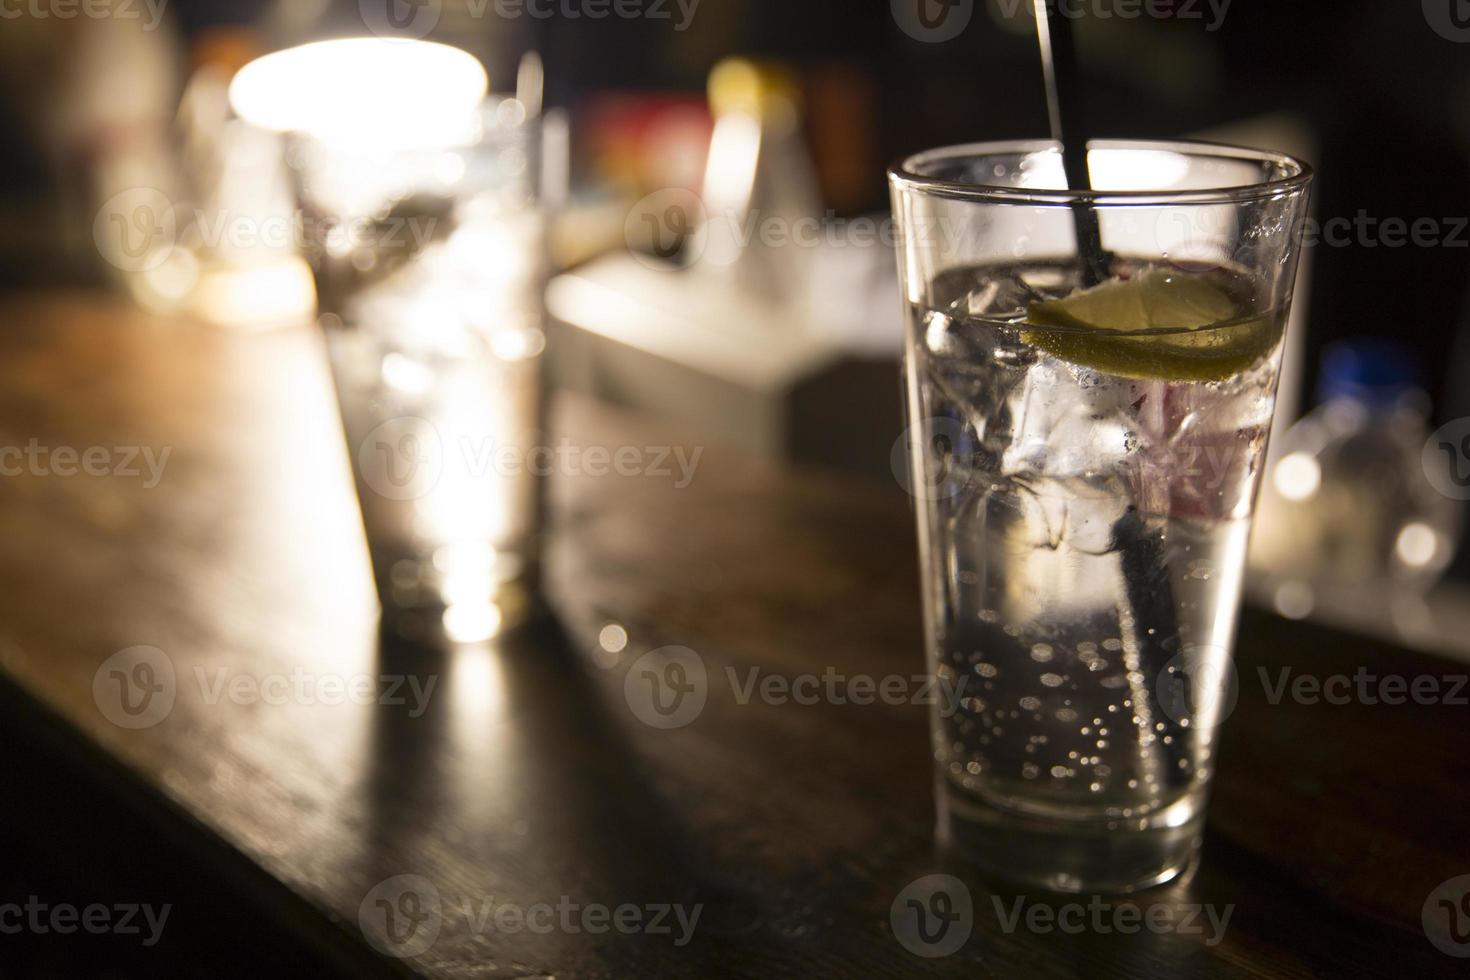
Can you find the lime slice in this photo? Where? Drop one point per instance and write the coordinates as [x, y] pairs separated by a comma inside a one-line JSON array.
[[1158, 325]]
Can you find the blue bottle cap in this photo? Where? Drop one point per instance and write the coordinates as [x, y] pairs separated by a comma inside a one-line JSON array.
[[1371, 370]]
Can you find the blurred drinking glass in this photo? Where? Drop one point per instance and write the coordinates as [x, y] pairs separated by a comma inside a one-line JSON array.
[[420, 215]]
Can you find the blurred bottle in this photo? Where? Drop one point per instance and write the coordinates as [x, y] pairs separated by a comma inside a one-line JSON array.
[[760, 187], [1348, 506]]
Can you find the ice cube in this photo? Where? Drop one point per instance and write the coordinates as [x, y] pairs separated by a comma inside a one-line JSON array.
[[999, 296], [973, 364], [1062, 428]]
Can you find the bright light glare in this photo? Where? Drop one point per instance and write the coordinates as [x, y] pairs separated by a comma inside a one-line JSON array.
[[1137, 170], [472, 622], [465, 588], [257, 296], [1417, 545], [1298, 476], [406, 374], [363, 89], [465, 556], [1111, 170], [613, 638]]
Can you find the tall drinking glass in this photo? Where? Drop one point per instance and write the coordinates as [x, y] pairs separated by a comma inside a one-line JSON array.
[[1087, 436], [429, 267]]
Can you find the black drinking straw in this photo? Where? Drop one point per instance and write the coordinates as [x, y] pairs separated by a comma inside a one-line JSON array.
[[1069, 129], [1141, 549]]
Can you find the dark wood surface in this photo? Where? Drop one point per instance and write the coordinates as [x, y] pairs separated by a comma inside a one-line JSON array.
[[529, 779]]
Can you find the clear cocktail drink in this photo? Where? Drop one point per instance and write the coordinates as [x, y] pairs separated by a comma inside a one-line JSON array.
[[1087, 455]]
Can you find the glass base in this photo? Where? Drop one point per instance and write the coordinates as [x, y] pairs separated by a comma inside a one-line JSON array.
[[455, 593], [1070, 856], [427, 618]]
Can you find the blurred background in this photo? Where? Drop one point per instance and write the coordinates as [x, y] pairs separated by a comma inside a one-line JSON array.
[[668, 133], [102, 100]]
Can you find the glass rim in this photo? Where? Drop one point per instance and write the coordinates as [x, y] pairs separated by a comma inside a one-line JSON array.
[[906, 175]]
